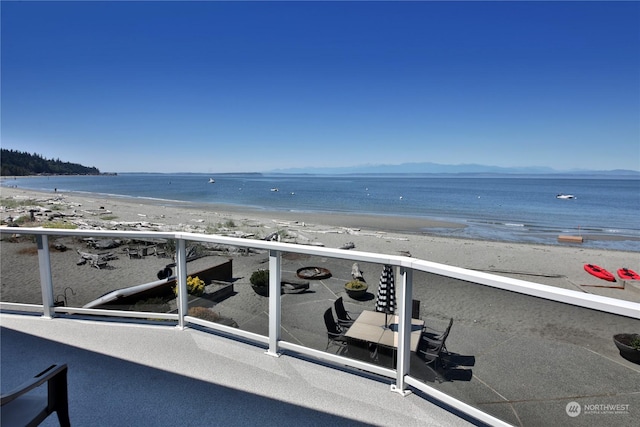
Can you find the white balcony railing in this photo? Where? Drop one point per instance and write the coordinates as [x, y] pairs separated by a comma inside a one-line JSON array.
[[404, 266]]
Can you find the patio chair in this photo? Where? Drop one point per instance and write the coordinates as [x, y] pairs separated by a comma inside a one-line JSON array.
[[433, 348], [335, 333], [19, 408], [434, 337], [344, 319]]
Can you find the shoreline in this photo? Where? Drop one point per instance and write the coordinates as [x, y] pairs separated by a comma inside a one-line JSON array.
[[382, 222], [379, 222], [553, 265]]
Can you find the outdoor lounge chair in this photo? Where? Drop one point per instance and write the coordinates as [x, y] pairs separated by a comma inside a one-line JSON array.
[[344, 319], [21, 409], [335, 333]]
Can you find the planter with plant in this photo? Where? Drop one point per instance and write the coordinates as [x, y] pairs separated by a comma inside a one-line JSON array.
[[356, 289], [260, 282], [195, 286], [629, 346]]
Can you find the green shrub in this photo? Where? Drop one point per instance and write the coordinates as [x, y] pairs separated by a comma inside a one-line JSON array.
[[59, 224], [260, 278], [355, 285], [15, 203]]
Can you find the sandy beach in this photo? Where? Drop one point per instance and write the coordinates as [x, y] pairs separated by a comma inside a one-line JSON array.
[[555, 265]]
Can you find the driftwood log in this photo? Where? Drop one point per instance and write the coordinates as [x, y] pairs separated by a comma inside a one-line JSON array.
[[95, 260], [293, 286], [105, 244], [273, 237]]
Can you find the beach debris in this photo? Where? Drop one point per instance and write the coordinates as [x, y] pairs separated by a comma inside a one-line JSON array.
[[54, 215], [570, 239], [348, 245], [318, 244], [98, 261], [105, 244], [133, 252], [10, 223], [492, 269], [101, 211], [295, 237], [293, 286], [273, 237], [356, 273], [606, 286], [60, 247], [313, 273]]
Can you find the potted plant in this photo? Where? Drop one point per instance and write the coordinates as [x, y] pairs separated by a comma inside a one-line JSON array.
[[260, 282], [195, 286], [629, 346], [356, 288]]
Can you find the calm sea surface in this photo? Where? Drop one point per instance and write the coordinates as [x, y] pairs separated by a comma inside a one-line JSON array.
[[505, 208]]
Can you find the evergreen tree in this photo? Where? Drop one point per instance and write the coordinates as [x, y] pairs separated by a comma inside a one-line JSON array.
[[18, 163]]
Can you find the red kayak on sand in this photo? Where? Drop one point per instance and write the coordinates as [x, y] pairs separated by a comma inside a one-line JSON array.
[[599, 272], [627, 274]]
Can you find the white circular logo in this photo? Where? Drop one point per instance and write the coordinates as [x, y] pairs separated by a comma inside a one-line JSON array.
[[573, 409]]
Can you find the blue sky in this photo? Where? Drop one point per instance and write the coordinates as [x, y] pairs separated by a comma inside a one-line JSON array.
[[240, 87]]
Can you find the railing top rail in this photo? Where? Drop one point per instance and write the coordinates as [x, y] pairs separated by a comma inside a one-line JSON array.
[[596, 302], [224, 240]]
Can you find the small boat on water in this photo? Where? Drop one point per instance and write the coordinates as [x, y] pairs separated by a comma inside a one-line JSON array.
[[565, 196], [275, 189], [212, 181]]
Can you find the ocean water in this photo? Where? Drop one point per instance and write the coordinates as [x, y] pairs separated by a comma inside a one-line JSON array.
[[518, 209]]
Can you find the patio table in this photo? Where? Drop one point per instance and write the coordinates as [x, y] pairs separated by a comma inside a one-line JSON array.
[[370, 327]]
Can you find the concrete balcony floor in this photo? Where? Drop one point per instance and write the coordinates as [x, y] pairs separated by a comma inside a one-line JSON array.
[[123, 374]]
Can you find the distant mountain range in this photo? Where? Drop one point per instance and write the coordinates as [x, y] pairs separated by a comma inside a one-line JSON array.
[[435, 168]]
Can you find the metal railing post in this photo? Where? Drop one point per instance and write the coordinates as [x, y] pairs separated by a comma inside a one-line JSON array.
[[275, 262], [181, 281], [404, 332], [46, 282]]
